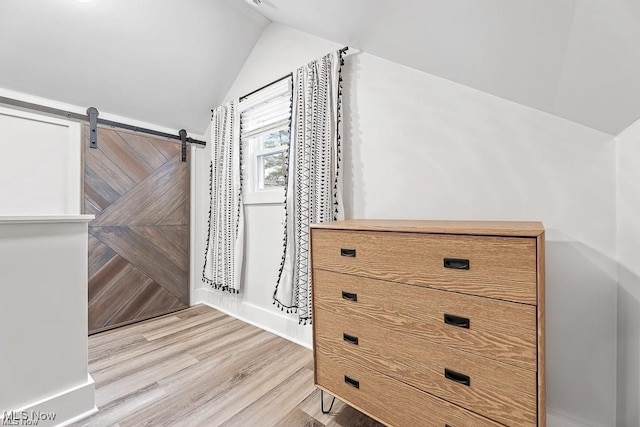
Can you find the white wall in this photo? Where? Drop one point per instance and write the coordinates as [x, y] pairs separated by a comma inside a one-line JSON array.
[[43, 321], [629, 276], [421, 147], [43, 268], [263, 250], [40, 167], [40, 174], [33, 126], [418, 146]]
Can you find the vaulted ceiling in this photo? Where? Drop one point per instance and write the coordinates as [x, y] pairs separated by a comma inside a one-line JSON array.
[[577, 59], [169, 62], [166, 62]]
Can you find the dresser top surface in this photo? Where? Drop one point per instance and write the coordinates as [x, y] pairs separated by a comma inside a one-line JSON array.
[[481, 228]]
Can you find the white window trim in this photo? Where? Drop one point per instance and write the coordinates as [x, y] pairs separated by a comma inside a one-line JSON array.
[[260, 197], [267, 197], [251, 194]]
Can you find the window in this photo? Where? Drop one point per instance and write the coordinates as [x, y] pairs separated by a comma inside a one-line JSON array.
[[265, 133]]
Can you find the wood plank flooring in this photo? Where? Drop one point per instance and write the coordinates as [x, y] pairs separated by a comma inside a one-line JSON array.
[[200, 367]]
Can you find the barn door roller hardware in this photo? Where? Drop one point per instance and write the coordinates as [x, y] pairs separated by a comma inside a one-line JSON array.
[[94, 121], [92, 112], [183, 139]]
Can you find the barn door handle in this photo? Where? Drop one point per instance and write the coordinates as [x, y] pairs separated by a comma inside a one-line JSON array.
[[350, 253], [460, 322], [456, 263]]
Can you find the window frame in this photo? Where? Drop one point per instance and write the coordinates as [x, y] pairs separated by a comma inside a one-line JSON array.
[[252, 194], [257, 195]]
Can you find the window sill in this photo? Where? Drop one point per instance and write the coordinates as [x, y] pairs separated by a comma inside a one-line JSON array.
[[270, 197]]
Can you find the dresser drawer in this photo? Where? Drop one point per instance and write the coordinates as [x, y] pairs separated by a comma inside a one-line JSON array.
[[501, 392], [495, 329], [390, 401], [494, 267]]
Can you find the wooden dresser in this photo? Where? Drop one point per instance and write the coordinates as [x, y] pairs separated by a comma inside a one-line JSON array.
[[431, 323]]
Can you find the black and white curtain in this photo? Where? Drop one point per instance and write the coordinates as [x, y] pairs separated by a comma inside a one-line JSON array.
[[313, 191], [225, 239]]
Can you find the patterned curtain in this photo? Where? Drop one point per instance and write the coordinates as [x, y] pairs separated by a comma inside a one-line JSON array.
[[225, 238], [313, 191]]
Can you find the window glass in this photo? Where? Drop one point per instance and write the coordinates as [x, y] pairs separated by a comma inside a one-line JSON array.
[[265, 133], [272, 168], [278, 138]]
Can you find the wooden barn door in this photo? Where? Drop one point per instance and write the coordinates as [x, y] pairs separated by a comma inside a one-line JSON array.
[[138, 188]]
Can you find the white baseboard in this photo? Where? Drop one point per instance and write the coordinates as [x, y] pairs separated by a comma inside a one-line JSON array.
[[558, 420], [80, 417], [68, 406], [270, 321]]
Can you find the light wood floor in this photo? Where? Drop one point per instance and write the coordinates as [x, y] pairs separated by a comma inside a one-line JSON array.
[[200, 367]]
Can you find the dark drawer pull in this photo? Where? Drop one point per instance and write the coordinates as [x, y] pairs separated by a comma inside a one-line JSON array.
[[456, 264], [457, 377], [351, 339], [349, 296], [351, 253], [460, 322], [352, 382]]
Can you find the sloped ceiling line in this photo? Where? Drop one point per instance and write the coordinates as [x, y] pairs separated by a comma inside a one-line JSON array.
[[163, 62], [579, 60]]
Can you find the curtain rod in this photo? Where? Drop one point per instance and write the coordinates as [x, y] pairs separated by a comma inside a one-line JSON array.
[[265, 86], [340, 52], [87, 118]]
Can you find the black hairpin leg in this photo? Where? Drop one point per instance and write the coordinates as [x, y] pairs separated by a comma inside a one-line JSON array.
[[322, 403]]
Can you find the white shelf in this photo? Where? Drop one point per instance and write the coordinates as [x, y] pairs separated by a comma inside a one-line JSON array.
[[44, 219]]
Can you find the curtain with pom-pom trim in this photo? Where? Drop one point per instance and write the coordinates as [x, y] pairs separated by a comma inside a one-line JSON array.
[[224, 250], [313, 192]]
